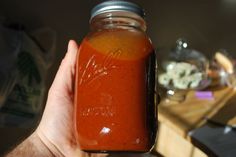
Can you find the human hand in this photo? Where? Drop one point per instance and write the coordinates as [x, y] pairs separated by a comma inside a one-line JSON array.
[[56, 129]]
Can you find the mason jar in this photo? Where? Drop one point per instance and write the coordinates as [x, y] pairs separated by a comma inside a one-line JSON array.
[[115, 108]]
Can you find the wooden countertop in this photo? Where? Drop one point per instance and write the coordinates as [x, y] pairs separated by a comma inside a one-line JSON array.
[[192, 113]]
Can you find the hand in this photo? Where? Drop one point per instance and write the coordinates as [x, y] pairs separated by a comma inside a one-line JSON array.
[[56, 129]]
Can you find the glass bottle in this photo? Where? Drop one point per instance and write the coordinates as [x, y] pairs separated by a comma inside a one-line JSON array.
[[115, 109]]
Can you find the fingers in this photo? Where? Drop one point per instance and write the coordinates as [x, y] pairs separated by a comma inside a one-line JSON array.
[[63, 81], [93, 155], [99, 155]]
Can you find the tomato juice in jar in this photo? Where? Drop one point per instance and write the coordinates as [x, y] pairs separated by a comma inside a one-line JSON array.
[[115, 109]]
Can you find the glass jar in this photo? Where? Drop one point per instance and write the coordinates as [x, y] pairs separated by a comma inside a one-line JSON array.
[[183, 70], [115, 107]]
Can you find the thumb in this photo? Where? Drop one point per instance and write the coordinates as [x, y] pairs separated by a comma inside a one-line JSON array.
[[63, 82]]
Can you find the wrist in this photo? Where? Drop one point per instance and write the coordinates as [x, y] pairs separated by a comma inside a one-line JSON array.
[[32, 146], [47, 144], [40, 146]]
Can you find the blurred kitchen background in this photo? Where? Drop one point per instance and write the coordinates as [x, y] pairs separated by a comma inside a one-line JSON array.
[[208, 25]]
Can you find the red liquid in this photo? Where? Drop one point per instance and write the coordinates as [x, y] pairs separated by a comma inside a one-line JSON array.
[[111, 89]]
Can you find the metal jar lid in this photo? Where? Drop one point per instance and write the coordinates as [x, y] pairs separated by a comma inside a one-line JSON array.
[[117, 5]]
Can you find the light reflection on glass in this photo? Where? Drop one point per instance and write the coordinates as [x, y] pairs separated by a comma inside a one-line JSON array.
[[105, 130]]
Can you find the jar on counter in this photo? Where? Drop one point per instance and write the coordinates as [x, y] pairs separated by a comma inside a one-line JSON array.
[[115, 108]]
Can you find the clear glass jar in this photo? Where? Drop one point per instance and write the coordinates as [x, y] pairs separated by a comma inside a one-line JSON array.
[[183, 70], [115, 109]]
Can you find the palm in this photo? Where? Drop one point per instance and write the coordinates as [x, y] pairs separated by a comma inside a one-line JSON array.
[[56, 126]]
